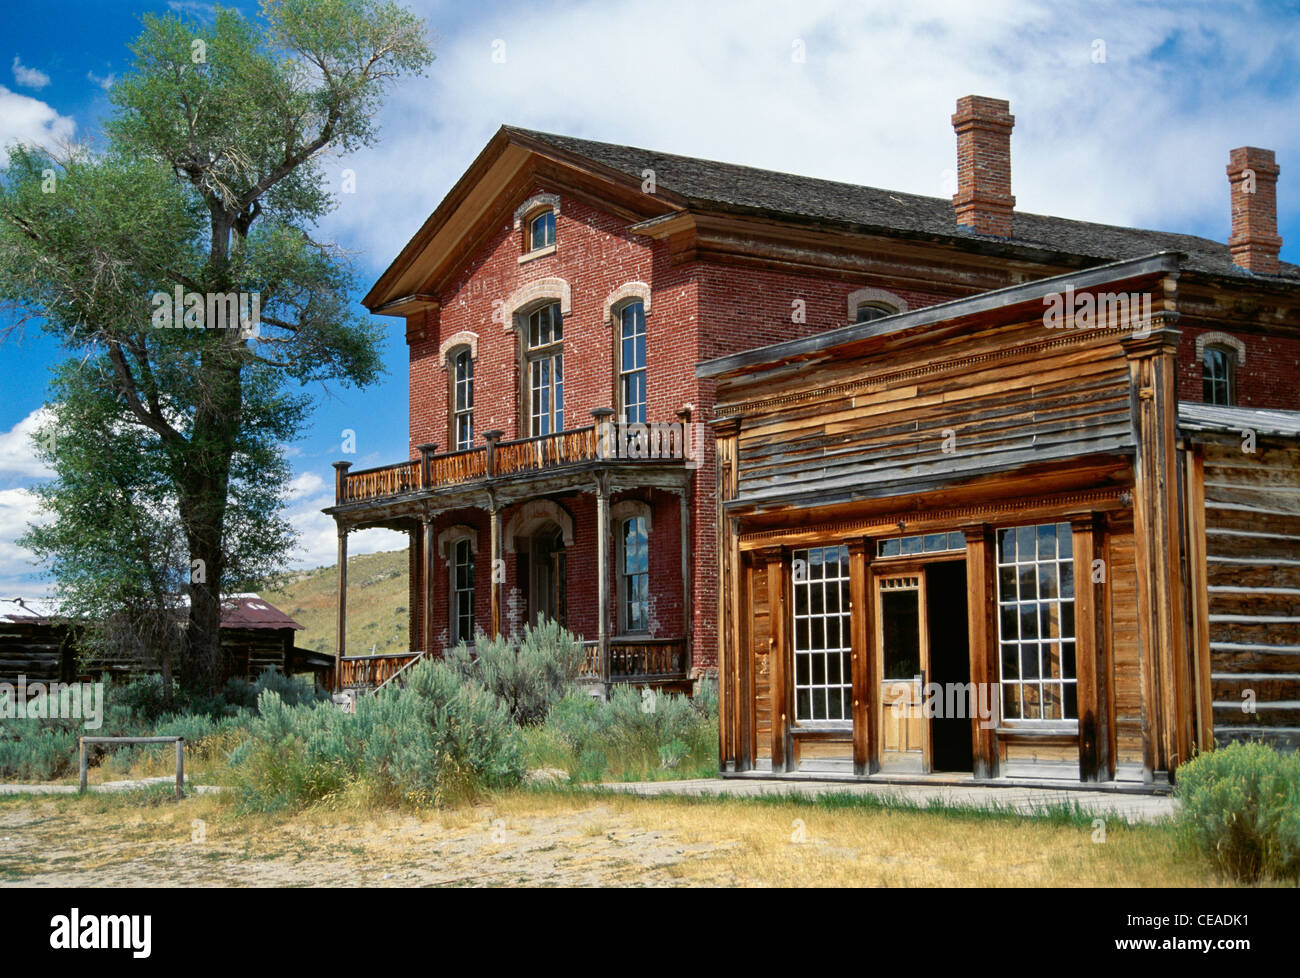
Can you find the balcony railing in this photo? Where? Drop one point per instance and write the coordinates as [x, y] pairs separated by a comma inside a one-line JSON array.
[[372, 671], [503, 458]]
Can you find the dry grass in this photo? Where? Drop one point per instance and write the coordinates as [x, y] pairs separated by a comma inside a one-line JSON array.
[[571, 839]]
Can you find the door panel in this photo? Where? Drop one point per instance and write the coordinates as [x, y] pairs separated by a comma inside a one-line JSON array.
[[902, 645]]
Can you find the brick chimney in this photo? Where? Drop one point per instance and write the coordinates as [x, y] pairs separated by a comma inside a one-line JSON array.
[[983, 200], [1252, 182]]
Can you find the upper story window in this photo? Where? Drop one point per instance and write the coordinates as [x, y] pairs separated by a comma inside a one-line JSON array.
[[541, 230], [634, 575], [1218, 375], [462, 399], [867, 311], [1036, 622], [632, 364], [544, 370]]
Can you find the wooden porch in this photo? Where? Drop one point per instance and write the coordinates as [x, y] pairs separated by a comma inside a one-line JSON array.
[[601, 459]]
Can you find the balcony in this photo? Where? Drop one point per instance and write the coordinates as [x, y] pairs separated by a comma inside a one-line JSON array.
[[657, 444]]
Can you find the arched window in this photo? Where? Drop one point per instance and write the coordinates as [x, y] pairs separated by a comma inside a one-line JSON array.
[[461, 566], [541, 230], [461, 376], [632, 363], [867, 311], [634, 575], [544, 370], [1218, 375]]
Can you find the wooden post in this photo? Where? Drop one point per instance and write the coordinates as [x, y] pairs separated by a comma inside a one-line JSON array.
[[341, 642], [81, 763], [1090, 654], [341, 481], [180, 768], [491, 438], [602, 570], [688, 630], [778, 608], [494, 560], [982, 639], [741, 660], [1165, 673], [427, 451], [428, 574], [734, 602], [1198, 581], [866, 685]]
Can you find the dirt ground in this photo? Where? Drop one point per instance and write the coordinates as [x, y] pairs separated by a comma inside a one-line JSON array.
[[42, 845]]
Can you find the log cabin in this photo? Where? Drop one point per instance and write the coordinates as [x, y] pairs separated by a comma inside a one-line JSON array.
[[559, 299], [41, 645]]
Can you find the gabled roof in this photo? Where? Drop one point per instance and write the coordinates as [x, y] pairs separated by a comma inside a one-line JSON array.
[[237, 611], [745, 189]]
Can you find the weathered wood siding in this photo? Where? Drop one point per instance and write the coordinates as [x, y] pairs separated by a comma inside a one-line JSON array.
[[760, 642], [1125, 646], [1252, 538], [935, 413]]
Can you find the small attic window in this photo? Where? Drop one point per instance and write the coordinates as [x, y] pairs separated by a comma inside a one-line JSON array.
[[541, 230], [867, 311]]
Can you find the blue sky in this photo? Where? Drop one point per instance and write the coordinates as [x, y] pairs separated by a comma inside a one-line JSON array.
[[1139, 137]]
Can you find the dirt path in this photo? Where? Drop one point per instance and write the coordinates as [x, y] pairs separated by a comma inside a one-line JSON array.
[[41, 845]]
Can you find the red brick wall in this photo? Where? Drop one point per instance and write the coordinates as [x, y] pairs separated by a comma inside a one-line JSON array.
[[1267, 379]]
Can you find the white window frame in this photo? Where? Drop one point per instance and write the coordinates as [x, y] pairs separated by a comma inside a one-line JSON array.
[[1012, 688], [460, 558], [626, 372], [808, 569], [546, 355], [1229, 381], [541, 215], [462, 409], [627, 580]]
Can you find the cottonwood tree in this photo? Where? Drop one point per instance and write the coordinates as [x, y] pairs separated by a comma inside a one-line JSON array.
[[169, 421]]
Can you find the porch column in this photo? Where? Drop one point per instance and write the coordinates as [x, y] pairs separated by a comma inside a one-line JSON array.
[[341, 638], [1092, 651], [428, 572], [866, 684], [982, 639], [495, 565], [602, 570], [1165, 672], [688, 631]]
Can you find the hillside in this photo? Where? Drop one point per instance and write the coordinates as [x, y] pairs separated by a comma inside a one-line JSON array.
[[377, 603]]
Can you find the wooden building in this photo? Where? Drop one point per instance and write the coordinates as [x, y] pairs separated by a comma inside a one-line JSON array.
[[38, 643], [986, 537]]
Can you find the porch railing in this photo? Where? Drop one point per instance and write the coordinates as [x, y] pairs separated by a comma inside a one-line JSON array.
[[636, 659], [372, 671], [493, 459]]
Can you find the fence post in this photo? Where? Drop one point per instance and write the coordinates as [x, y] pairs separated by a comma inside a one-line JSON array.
[[81, 743], [180, 767]]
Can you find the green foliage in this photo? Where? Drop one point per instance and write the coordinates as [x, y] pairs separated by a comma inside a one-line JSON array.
[[529, 675], [167, 444], [437, 740], [1241, 809], [630, 737]]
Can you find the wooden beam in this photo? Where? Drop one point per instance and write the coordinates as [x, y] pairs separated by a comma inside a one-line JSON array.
[[495, 566], [1198, 581], [866, 684], [341, 638], [1090, 653], [602, 569], [778, 582], [427, 570], [982, 641]]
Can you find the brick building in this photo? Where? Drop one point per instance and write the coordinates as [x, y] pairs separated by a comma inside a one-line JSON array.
[[557, 302]]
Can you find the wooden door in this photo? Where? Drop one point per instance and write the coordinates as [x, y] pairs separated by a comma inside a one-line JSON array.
[[902, 645]]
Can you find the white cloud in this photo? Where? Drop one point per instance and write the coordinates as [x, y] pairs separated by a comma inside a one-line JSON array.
[[29, 77], [193, 8], [317, 546], [106, 82], [18, 451], [31, 122], [18, 566], [1139, 139]]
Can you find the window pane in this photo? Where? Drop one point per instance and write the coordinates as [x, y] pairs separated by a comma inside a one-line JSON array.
[[822, 679]]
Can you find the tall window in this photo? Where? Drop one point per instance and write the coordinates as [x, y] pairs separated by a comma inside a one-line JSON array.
[[544, 370], [823, 678], [462, 592], [1219, 383], [868, 311], [631, 364], [462, 400], [634, 577], [541, 231], [1036, 622]]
